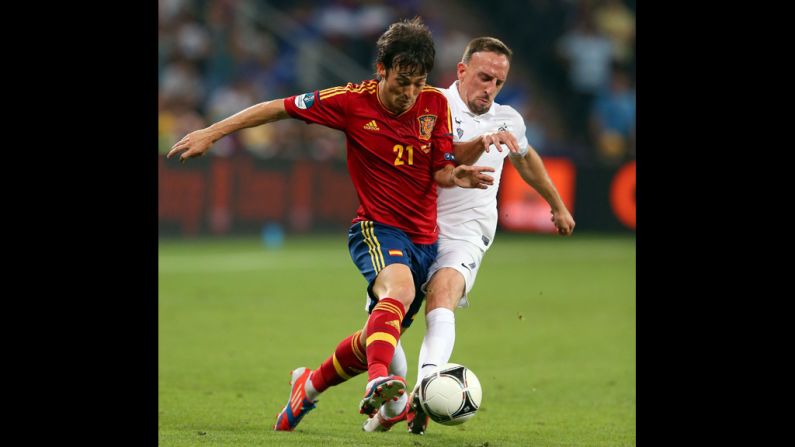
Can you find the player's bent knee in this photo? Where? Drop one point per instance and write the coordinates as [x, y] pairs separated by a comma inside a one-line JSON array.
[[445, 289], [401, 292], [396, 282], [405, 298], [404, 295]]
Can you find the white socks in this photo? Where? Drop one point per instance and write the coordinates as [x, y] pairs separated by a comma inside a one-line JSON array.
[[437, 346], [398, 367]]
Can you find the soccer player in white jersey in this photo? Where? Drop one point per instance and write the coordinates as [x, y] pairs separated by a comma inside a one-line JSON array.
[[467, 219]]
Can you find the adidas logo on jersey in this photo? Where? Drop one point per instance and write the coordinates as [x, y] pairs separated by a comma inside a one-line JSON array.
[[371, 126]]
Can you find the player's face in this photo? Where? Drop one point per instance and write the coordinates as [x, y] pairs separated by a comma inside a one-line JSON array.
[[481, 79], [399, 88]]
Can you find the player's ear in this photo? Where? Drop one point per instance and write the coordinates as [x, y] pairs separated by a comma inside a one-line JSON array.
[[380, 70], [461, 68]]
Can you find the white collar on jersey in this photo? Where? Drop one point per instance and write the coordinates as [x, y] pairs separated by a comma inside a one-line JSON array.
[[463, 106]]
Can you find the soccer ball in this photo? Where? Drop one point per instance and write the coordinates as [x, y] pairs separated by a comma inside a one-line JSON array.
[[451, 394]]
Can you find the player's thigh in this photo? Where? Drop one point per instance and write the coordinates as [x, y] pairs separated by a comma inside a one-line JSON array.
[[388, 260], [460, 256]]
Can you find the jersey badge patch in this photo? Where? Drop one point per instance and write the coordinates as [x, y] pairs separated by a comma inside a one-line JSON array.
[[427, 123], [458, 129], [305, 101], [395, 253]]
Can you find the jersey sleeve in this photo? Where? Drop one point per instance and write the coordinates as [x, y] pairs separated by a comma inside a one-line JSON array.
[[520, 132], [442, 136], [326, 107]]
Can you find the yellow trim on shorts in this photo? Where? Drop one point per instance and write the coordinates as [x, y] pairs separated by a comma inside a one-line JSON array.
[[376, 257], [377, 245]]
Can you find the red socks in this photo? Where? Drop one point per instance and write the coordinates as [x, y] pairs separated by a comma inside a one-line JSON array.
[[346, 362], [383, 332]]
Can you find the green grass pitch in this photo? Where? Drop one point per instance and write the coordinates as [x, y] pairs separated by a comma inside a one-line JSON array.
[[550, 334]]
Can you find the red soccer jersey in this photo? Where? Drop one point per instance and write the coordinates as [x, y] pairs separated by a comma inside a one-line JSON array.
[[391, 159]]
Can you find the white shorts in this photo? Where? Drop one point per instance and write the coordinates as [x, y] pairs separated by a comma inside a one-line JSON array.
[[462, 256]]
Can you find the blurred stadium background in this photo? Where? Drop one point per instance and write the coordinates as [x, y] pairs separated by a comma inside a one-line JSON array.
[[572, 78]]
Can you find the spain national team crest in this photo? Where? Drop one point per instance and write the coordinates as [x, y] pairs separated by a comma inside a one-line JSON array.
[[427, 123]]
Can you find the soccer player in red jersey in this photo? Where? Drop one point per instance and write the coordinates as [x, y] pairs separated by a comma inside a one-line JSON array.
[[399, 147]]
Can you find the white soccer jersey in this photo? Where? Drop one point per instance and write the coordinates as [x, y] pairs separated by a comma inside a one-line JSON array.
[[471, 214]]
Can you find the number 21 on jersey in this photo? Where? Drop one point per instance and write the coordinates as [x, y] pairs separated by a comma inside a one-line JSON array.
[[398, 149]]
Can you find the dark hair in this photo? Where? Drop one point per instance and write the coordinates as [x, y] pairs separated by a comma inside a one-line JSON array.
[[407, 44], [491, 44]]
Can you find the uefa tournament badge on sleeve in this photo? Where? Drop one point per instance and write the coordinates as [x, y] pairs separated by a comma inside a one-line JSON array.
[[305, 100]]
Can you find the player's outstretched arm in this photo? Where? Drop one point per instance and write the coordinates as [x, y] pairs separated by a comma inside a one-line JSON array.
[[196, 143], [467, 152], [464, 176], [532, 170]]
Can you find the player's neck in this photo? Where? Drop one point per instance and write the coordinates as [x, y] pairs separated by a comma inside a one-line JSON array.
[[382, 100]]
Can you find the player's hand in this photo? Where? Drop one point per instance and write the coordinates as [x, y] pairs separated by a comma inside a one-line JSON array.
[[498, 139], [472, 176], [194, 144], [563, 221]]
